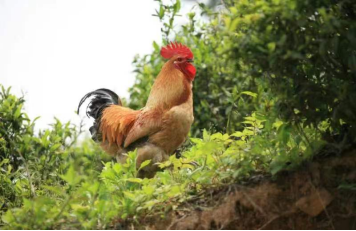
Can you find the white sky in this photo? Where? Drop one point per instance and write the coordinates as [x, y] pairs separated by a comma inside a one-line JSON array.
[[57, 51]]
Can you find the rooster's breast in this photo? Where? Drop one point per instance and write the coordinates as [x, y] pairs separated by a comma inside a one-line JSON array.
[[175, 127]]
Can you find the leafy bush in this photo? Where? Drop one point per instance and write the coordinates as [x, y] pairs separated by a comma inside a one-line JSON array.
[[272, 80], [306, 53], [54, 184], [31, 165], [299, 57], [218, 87]]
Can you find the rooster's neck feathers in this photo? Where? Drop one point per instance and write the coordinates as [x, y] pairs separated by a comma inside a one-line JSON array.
[[171, 88]]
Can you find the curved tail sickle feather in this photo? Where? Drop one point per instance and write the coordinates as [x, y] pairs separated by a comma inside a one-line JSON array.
[[103, 98]]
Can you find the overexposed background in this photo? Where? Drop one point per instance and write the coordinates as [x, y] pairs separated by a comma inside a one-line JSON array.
[[54, 52]]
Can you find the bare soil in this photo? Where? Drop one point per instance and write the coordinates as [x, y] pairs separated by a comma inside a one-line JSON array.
[[307, 198]]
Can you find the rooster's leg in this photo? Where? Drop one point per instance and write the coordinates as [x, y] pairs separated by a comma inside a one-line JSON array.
[[153, 153], [121, 158]]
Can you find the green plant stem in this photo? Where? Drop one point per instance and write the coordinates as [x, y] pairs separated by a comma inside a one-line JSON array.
[[32, 188]]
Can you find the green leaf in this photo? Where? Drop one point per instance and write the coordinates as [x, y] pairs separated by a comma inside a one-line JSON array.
[[155, 46], [254, 95], [284, 133], [237, 134], [205, 135], [271, 46], [161, 12], [174, 191], [4, 161], [18, 112], [148, 189], [134, 180], [130, 195], [71, 177], [144, 164], [196, 140], [55, 147], [8, 217], [276, 167], [177, 6], [55, 189], [346, 186]]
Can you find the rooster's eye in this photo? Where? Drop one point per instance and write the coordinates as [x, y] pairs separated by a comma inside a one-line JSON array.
[[179, 59]]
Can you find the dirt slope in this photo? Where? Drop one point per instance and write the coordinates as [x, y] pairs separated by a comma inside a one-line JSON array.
[[308, 198]]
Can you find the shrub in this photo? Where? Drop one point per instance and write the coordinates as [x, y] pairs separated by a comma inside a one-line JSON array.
[[299, 57], [276, 75], [32, 163], [305, 51], [54, 184]]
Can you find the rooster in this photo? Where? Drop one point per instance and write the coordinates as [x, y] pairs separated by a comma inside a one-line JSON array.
[[157, 129]]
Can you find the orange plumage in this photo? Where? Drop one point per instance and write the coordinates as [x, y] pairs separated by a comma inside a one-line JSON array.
[[159, 128]]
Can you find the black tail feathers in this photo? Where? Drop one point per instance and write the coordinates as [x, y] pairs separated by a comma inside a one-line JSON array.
[[102, 99]]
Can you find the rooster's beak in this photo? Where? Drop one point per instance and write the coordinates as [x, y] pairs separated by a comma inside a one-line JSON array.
[[190, 60]]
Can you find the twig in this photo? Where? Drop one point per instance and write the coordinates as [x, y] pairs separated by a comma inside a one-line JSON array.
[[174, 223], [62, 209], [276, 217], [253, 203], [300, 129], [32, 189]]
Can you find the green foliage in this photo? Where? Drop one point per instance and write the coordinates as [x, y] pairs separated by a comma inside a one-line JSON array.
[[54, 184], [305, 51], [274, 78], [34, 168], [299, 57], [351, 187], [217, 87]]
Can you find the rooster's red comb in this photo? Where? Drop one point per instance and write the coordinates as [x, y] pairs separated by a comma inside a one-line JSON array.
[[176, 49]]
